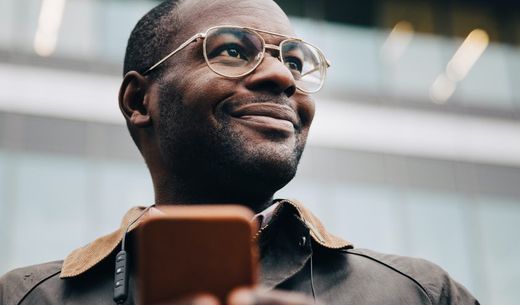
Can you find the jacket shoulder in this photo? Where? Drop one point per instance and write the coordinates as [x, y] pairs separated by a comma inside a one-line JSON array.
[[18, 283], [436, 282]]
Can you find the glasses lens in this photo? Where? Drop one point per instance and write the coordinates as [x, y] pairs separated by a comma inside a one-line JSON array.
[[306, 63], [232, 52]]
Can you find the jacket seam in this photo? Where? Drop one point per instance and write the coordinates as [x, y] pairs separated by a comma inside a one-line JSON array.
[[430, 298], [36, 285]]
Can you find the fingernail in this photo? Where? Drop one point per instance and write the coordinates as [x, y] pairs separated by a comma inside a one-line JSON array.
[[241, 297], [205, 300]]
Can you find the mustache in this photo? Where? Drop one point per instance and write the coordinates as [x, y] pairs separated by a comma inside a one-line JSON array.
[[257, 99]]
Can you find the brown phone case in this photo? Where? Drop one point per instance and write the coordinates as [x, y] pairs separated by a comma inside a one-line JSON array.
[[194, 249]]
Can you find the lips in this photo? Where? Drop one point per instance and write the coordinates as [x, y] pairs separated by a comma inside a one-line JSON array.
[[271, 115]]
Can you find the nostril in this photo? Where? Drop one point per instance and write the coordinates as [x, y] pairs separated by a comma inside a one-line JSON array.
[[289, 91], [270, 85]]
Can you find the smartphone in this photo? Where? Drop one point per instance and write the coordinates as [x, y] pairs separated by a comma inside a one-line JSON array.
[[185, 250]]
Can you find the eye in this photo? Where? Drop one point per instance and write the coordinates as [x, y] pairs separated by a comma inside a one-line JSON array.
[[293, 63], [229, 50], [233, 52]]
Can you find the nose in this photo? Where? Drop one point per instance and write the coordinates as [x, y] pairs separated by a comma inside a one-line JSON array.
[[273, 76]]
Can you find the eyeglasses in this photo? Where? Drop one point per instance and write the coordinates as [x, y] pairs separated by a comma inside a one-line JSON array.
[[234, 51]]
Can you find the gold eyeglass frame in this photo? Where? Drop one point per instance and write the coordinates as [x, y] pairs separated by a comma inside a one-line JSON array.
[[325, 63]]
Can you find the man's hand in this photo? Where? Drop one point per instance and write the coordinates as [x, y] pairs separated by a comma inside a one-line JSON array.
[[249, 297], [275, 297], [202, 299]]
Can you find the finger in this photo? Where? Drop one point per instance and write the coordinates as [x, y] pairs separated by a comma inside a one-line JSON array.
[[202, 299], [241, 296], [275, 297]]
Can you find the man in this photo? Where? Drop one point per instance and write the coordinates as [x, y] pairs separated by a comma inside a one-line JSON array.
[[219, 120]]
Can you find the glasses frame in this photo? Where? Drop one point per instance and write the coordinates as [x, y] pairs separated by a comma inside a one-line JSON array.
[[325, 62]]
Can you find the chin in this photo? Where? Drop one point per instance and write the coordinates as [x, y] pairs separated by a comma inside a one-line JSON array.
[[257, 169], [269, 166]]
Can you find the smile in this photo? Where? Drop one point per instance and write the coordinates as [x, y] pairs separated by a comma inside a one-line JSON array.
[[267, 116]]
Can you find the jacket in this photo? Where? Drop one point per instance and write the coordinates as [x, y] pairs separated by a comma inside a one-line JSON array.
[[296, 254]]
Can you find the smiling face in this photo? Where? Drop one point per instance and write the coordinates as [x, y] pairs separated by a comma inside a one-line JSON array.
[[240, 136]]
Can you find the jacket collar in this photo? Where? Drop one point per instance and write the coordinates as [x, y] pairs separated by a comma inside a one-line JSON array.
[[83, 259], [317, 231]]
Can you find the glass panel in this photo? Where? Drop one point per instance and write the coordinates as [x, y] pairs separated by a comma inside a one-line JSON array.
[[488, 83], [5, 204], [113, 36], [499, 232], [368, 216], [514, 70], [438, 231], [412, 74], [119, 185], [51, 195]]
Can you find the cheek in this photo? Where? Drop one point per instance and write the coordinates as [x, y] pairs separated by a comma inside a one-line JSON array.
[[306, 109], [204, 90]]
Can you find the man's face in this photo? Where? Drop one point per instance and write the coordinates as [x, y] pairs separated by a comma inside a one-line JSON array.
[[243, 132]]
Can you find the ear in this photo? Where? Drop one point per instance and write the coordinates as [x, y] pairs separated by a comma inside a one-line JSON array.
[[134, 100]]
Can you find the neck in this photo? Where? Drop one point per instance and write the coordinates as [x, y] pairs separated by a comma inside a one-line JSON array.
[[173, 192]]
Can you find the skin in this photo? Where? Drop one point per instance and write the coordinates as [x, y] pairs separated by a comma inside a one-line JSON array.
[[210, 139], [245, 296]]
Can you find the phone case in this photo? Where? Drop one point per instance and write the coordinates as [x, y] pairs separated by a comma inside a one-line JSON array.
[[194, 249]]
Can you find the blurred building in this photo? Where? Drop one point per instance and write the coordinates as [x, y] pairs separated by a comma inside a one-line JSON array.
[[415, 147]]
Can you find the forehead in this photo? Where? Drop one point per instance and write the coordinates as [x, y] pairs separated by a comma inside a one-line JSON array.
[[198, 15]]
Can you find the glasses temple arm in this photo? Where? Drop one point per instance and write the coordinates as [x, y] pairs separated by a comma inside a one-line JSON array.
[[182, 46], [310, 71], [316, 69]]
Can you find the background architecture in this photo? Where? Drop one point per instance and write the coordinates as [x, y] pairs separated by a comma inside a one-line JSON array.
[[415, 148]]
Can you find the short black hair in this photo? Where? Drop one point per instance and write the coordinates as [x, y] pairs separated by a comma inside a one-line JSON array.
[[151, 37], [149, 42]]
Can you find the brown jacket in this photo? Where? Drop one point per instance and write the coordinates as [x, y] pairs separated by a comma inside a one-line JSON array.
[[296, 254]]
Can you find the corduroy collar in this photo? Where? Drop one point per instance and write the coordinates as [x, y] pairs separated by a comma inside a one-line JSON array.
[[83, 259]]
